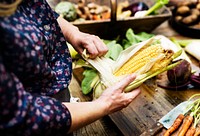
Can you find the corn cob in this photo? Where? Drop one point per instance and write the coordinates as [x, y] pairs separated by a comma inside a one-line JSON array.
[[147, 59], [140, 60]]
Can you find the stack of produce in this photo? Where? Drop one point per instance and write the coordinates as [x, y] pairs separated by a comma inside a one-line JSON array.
[[92, 11], [188, 13], [81, 11]]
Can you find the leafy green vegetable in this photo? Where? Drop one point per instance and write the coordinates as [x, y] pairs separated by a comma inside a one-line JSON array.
[[114, 50], [132, 38], [106, 41], [67, 10], [130, 35], [90, 79], [142, 36], [159, 4]]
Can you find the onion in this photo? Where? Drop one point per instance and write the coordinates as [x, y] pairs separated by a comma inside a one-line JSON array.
[[180, 74], [135, 7]]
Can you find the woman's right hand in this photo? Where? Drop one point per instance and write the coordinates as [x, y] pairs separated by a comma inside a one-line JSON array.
[[111, 100], [115, 98]]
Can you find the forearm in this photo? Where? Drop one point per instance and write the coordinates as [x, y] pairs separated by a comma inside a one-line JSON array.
[[81, 40], [68, 29], [85, 113]]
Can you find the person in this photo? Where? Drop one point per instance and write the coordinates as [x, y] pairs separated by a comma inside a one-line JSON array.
[[35, 67]]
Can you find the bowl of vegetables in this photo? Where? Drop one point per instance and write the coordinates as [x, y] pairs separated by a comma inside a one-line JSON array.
[[186, 18], [108, 19]]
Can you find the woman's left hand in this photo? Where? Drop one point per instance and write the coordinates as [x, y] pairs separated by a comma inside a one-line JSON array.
[[80, 41], [93, 44]]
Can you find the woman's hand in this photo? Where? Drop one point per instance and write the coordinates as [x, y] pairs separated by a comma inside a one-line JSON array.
[[80, 41], [93, 44], [114, 97]]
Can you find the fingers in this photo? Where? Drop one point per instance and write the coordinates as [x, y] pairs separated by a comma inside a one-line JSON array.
[[125, 82], [115, 98], [100, 46], [128, 97], [131, 95], [95, 46]]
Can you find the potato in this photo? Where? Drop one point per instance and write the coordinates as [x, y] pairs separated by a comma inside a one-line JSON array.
[[198, 6], [190, 19], [187, 3], [178, 18], [195, 11], [183, 10]]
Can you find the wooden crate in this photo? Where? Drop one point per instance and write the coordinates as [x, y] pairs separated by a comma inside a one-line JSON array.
[[113, 27]]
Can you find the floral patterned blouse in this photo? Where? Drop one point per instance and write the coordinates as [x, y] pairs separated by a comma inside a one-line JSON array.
[[34, 64]]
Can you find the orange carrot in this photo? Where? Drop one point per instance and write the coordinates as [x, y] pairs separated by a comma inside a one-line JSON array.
[[175, 125], [197, 132], [186, 124], [96, 17], [191, 131], [105, 15]]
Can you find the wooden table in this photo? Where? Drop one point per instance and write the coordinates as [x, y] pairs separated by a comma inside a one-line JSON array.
[[153, 103]]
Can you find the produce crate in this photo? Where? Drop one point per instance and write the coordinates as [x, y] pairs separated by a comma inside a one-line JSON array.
[[113, 27]]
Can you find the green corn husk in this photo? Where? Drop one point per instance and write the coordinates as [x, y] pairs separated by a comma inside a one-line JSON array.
[[106, 66]]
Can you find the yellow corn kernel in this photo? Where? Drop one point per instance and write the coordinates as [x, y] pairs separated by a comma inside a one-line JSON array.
[[163, 62], [139, 59]]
